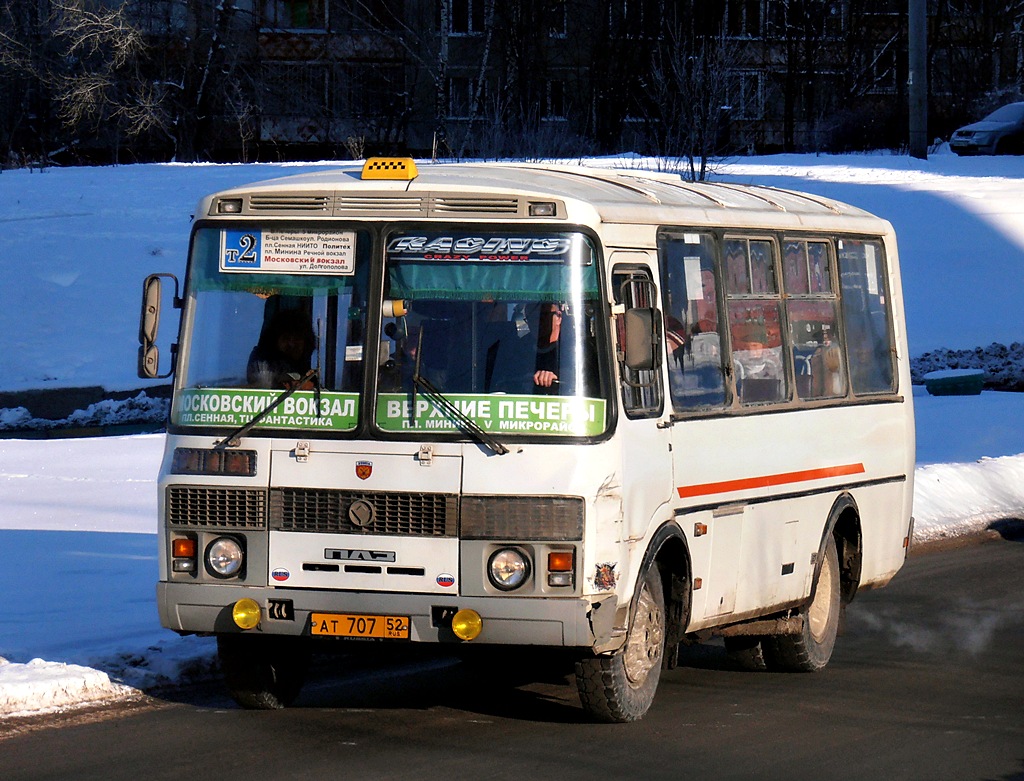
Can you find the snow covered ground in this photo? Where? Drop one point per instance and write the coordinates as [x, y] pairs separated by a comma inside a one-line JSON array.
[[78, 517]]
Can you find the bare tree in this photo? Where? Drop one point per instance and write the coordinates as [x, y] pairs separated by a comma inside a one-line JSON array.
[[97, 82], [688, 87]]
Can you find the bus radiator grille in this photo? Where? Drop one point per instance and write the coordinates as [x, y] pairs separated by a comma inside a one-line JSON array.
[[398, 513], [233, 508]]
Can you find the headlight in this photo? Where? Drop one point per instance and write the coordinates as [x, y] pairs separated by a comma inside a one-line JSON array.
[[508, 568], [224, 557]]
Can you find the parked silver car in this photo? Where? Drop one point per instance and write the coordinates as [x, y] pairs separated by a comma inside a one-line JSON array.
[[1000, 133]]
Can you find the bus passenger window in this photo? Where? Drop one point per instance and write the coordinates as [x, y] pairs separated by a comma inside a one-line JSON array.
[[755, 322], [813, 321], [696, 377], [866, 316]]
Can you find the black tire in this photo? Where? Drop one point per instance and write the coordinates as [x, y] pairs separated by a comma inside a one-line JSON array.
[[263, 672], [811, 650], [620, 688], [747, 651]]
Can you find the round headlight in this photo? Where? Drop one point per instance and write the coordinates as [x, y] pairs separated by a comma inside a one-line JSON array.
[[224, 557], [508, 568]]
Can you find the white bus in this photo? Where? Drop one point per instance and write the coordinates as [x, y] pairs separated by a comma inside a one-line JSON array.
[[506, 405]]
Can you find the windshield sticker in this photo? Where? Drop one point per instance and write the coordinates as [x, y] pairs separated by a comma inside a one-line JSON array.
[[535, 249], [236, 407], [581, 417], [288, 252]]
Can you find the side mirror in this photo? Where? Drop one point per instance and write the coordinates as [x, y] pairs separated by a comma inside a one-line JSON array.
[[641, 340], [149, 326]]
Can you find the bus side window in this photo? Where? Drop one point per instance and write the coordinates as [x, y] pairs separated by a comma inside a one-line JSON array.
[[641, 388], [689, 290], [813, 321], [755, 320], [866, 316]]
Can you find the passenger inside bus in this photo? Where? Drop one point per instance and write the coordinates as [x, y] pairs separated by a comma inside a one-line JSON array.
[[548, 347], [284, 351], [757, 356], [513, 347], [694, 363]]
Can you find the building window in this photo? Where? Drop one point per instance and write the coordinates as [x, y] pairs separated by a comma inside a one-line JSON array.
[[635, 18], [462, 97], [294, 89], [466, 17], [555, 100], [294, 14], [744, 18], [746, 98], [558, 19], [160, 17], [366, 91], [881, 70]]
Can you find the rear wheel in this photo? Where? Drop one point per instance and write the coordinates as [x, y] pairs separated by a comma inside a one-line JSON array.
[[747, 651], [811, 649], [263, 672], [621, 687]]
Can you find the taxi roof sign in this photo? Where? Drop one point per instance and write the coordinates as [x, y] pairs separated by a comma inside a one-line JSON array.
[[389, 168]]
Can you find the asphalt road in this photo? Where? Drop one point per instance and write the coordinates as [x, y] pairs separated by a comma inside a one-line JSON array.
[[926, 683]]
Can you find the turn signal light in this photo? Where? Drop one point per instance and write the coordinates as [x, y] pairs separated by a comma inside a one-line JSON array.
[[560, 561], [183, 548], [183, 554], [561, 567]]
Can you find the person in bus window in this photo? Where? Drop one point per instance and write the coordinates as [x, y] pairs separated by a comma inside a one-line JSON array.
[[548, 333], [284, 351]]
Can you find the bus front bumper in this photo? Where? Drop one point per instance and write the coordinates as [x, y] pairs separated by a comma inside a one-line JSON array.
[[569, 622]]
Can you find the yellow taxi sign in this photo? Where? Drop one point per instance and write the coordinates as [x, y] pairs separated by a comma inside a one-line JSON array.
[[389, 168]]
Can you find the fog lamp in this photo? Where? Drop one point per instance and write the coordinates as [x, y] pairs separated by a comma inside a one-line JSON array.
[[543, 209], [246, 613], [467, 624]]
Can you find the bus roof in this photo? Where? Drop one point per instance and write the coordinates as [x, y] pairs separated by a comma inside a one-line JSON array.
[[584, 194]]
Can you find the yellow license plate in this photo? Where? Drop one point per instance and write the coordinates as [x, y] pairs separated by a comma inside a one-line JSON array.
[[346, 625]]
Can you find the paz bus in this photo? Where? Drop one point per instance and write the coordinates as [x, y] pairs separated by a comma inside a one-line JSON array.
[[595, 412]]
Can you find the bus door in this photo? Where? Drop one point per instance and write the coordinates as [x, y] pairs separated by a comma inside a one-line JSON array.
[[646, 460]]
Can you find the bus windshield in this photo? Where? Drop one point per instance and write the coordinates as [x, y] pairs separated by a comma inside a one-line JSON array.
[[503, 324], [267, 308], [503, 327]]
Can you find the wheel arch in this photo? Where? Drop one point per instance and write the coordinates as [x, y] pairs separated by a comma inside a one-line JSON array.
[[845, 526], [669, 552]]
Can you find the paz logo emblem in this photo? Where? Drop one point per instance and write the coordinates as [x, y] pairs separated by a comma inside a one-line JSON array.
[[364, 469], [361, 513]]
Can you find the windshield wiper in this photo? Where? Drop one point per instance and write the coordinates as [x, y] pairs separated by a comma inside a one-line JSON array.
[[234, 438], [465, 422]]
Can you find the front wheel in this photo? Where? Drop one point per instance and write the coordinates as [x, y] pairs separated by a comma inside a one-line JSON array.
[[620, 688], [263, 672], [811, 649]]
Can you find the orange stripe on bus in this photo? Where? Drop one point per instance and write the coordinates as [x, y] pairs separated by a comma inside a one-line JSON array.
[[767, 481]]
